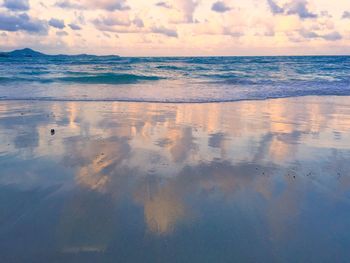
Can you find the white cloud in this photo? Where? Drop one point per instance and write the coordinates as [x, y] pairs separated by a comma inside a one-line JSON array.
[[220, 7], [57, 23], [109, 5], [178, 26], [164, 31], [17, 5]]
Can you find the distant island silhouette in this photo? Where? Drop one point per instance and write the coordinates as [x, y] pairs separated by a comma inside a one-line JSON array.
[[30, 53]]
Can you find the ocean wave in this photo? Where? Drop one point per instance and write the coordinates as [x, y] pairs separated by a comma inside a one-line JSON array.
[[169, 67], [180, 80], [85, 78], [108, 78]]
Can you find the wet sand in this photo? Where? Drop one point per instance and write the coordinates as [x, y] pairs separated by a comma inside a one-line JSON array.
[[250, 181]]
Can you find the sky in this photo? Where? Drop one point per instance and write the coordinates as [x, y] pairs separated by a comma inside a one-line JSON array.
[[177, 27]]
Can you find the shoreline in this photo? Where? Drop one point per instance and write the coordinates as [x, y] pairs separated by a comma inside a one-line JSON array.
[[165, 102]]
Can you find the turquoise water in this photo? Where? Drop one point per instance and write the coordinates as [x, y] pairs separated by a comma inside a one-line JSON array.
[[187, 79]]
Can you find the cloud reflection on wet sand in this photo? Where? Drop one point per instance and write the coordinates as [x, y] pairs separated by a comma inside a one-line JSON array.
[[138, 181]]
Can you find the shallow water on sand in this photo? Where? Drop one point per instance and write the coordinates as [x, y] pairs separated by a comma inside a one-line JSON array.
[[258, 181]]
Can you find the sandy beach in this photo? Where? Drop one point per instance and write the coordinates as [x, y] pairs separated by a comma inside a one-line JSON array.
[[263, 181]]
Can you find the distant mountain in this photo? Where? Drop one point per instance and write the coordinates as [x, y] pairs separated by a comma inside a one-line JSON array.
[[27, 52]]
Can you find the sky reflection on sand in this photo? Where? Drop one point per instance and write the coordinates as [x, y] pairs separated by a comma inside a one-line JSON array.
[[136, 182]]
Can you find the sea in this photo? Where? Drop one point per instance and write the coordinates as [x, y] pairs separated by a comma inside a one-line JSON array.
[[119, 159], [171, 79]]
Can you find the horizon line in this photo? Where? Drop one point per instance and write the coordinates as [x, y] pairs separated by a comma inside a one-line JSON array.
[[179, 56]]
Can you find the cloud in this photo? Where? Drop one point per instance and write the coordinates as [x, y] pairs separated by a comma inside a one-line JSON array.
[[220, 7], [57, 23], [230, 32], [74, 26], [275, 9], [187, 7], [43, 5], [295, 7], [179, 11], [79, 17], [164, 31], [346, 15], [308, 34], [17, 5], [299, 7], [120, 23], [163, 4], [106, 35], [22, 22], [66, 4], [138, 22], [61, 33], [117, 25], [109, 5], [111, 21], [333, 36], [219, 29], [269, 32], [326, 14]]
